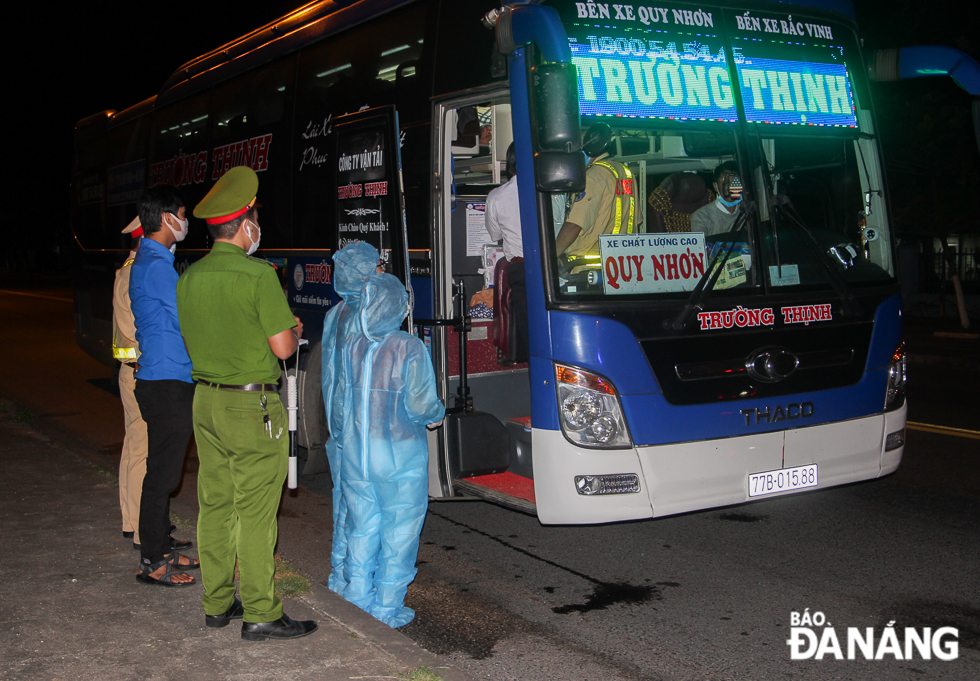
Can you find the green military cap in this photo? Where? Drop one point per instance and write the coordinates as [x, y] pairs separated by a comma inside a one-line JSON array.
[[232, 195]]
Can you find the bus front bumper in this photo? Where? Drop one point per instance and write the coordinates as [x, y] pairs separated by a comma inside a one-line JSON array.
[[692, 476]]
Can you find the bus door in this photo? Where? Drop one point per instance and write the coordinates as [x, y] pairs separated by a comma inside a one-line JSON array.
[[485, 448]]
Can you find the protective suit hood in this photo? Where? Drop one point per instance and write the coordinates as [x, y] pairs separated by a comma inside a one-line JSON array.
[[352, 266], [384, 304]]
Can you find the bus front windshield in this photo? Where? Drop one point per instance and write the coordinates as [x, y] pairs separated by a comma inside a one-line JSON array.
[[747, 216], [738, 165]]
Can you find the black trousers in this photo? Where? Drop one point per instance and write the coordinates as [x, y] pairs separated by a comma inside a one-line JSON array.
[[518, 309], [168, 409]]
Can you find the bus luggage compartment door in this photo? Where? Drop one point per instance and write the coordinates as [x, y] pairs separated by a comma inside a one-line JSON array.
[[479, 444]]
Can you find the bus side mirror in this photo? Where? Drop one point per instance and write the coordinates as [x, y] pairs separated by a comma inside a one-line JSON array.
[[559, 164], [556, 116], [559, 171]]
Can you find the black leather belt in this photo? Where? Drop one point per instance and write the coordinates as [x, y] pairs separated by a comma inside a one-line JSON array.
[[251, 387]]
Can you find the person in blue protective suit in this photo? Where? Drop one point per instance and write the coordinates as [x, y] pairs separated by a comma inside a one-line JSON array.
[[351, 268], [390, 399]]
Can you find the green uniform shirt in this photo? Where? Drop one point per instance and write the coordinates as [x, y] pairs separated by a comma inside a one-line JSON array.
[[229, 305]]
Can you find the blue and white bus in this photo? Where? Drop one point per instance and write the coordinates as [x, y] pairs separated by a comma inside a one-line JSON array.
[[669, 372]]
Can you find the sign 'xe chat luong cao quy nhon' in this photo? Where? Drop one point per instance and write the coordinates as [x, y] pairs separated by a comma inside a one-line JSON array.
[[662, 263]]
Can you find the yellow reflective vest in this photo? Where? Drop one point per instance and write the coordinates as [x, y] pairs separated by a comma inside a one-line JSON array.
[[625, 222], [124, 345]]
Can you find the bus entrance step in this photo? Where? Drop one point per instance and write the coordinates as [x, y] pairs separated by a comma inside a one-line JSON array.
[[506, 489]]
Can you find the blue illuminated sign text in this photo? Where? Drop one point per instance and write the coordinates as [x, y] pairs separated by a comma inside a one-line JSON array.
[[808, 93], [652, 79]]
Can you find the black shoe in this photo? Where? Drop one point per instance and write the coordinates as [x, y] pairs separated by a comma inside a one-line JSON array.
[[282, 628], [128, 535], [235, 612], [175, 545]]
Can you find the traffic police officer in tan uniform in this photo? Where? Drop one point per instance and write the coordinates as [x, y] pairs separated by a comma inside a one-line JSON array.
[[237, 324], [609, 205], [125, 348]]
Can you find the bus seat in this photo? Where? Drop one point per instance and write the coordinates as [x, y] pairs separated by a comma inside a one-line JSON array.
[[503, 322], [673, 202]]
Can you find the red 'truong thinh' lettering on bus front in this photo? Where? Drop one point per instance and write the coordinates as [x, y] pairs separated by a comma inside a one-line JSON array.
[[804, 314], [739, 318]]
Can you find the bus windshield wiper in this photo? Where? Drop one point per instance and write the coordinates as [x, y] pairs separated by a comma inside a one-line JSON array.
[[709, 278], [850, 305]]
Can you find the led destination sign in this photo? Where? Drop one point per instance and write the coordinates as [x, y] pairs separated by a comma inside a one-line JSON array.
[[638, 61], [644, 61], [778, 91], [653, 78], [792, 70]]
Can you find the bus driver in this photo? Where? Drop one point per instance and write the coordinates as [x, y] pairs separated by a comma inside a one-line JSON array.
[[718, 216]]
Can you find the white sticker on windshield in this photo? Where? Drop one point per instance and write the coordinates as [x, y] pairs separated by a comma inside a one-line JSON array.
[[651, 263], [790, 275]]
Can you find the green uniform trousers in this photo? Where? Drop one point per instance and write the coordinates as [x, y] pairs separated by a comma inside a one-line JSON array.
[[239, 487]]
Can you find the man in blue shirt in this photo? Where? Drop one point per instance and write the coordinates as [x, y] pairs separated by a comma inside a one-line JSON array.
[[164, 389]]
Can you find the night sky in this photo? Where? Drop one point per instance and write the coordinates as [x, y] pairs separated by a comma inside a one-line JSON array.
[[87, 58], [111, 55]]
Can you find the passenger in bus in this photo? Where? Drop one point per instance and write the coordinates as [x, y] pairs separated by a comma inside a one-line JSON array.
[[678, 197], [390, 399], [503, 223], [608, 205], [719, 216], [237, 325], [164, 387], [125, 349], [351, 268]]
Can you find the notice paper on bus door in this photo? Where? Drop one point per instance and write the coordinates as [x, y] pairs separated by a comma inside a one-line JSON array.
[[476, 228], [661, 263]]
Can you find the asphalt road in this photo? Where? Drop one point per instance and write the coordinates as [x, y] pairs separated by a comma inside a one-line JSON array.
[[706, 595]]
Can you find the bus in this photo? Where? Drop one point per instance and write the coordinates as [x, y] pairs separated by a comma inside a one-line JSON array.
[[671, 371]]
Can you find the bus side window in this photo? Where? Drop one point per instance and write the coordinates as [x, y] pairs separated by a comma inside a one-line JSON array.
[[364, 65], [250, 125], [376, 63], [126, 165], [108, 176], [180, 155], [88, 189]]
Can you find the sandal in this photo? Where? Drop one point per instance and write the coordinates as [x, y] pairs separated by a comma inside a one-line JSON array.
[[174, 559], [164, 580]]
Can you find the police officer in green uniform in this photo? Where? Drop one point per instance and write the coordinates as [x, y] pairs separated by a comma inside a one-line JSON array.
[[237, 324]]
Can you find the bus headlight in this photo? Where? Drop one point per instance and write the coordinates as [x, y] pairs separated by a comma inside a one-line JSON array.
[[895, 392], [591, 414]]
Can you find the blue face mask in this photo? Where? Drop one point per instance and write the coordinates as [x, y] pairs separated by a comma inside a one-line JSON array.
[[730, 204]]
